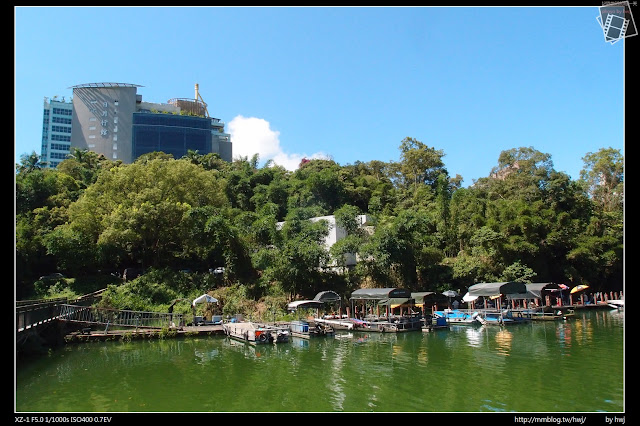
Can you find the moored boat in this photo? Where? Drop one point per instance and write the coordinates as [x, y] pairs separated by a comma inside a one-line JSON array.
[[549, 315], [392, 324], [384, 310], [306, 330], [279, 333], [616, 304], [457, 316], [435, 323], [248, 332], [504, 317], [340, 323]]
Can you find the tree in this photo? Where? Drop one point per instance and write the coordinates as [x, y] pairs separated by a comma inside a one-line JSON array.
[[212, 240], [525, 220], [603, 174], [518, 272], [296, 266], [134, 213], [419, 164], [42, 199], [28, 163]]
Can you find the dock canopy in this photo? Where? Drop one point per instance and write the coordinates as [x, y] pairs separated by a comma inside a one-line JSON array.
[[394, 302], [419, 296], [496, 289], [380, 294], [204, 298], [534, 291], [327, 296], [422, 297], [304, 304]]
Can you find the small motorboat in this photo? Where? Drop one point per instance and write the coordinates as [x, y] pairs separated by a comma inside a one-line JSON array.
[[457, 316], [616, 303], [302, 328]]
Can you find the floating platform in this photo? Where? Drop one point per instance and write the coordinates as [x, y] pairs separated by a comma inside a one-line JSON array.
[[88, 334]]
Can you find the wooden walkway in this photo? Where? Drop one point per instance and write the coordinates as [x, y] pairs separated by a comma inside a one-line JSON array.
[[91, 335]]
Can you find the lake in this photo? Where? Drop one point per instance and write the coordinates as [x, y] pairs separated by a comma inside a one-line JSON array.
[[542, 366]]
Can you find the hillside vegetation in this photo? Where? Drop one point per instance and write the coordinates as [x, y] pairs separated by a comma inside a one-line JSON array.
[[199, 224]]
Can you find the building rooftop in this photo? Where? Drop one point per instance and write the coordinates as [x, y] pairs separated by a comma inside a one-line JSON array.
[[104, 85]]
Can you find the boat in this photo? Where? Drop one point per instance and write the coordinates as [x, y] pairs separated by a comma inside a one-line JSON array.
[[321, 325], [435, 323], [248, 332], [340, 323], [305, 330], [392, 324], [504, 317], [457, 316], [549, 315], [494, 292], [279, 333], [616, 303]]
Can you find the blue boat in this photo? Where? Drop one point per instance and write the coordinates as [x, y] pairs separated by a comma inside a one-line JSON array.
[[302, 328], [457, 316], [504, 317]]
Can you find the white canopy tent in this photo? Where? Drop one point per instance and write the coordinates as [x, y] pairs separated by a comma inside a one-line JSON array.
[[205, 298]]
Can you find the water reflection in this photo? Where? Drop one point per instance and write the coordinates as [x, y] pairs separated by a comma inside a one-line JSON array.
[[299, 342], [473, 334], [248, 351], [206, 356], [503, 340]]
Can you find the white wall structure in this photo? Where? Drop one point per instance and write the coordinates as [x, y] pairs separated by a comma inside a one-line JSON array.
[[336, 233]]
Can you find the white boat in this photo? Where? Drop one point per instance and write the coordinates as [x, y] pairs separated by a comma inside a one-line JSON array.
[[393, 324], [549, 315], [504, 317], [339, 324], [616, 303], [248, 332], [256, 333]]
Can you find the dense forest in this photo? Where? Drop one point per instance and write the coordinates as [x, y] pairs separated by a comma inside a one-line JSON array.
[[201, 224]]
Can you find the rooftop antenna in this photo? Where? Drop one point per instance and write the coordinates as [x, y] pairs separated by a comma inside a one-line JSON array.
[[198, 97]]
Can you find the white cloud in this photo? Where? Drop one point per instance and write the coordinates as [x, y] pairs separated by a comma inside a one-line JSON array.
[[251, 135]]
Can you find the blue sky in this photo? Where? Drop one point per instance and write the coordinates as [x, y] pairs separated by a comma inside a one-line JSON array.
[[347, 83]]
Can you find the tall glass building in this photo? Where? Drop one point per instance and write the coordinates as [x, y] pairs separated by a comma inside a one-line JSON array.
[[111, 119], [56, 131]]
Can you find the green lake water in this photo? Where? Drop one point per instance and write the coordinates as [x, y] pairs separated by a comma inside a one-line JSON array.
[[559, 366]]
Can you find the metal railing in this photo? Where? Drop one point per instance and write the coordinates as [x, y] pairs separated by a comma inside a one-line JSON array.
[[118, 318], [30, 313]]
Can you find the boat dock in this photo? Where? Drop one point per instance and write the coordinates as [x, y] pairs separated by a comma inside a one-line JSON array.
[[89, 334]]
